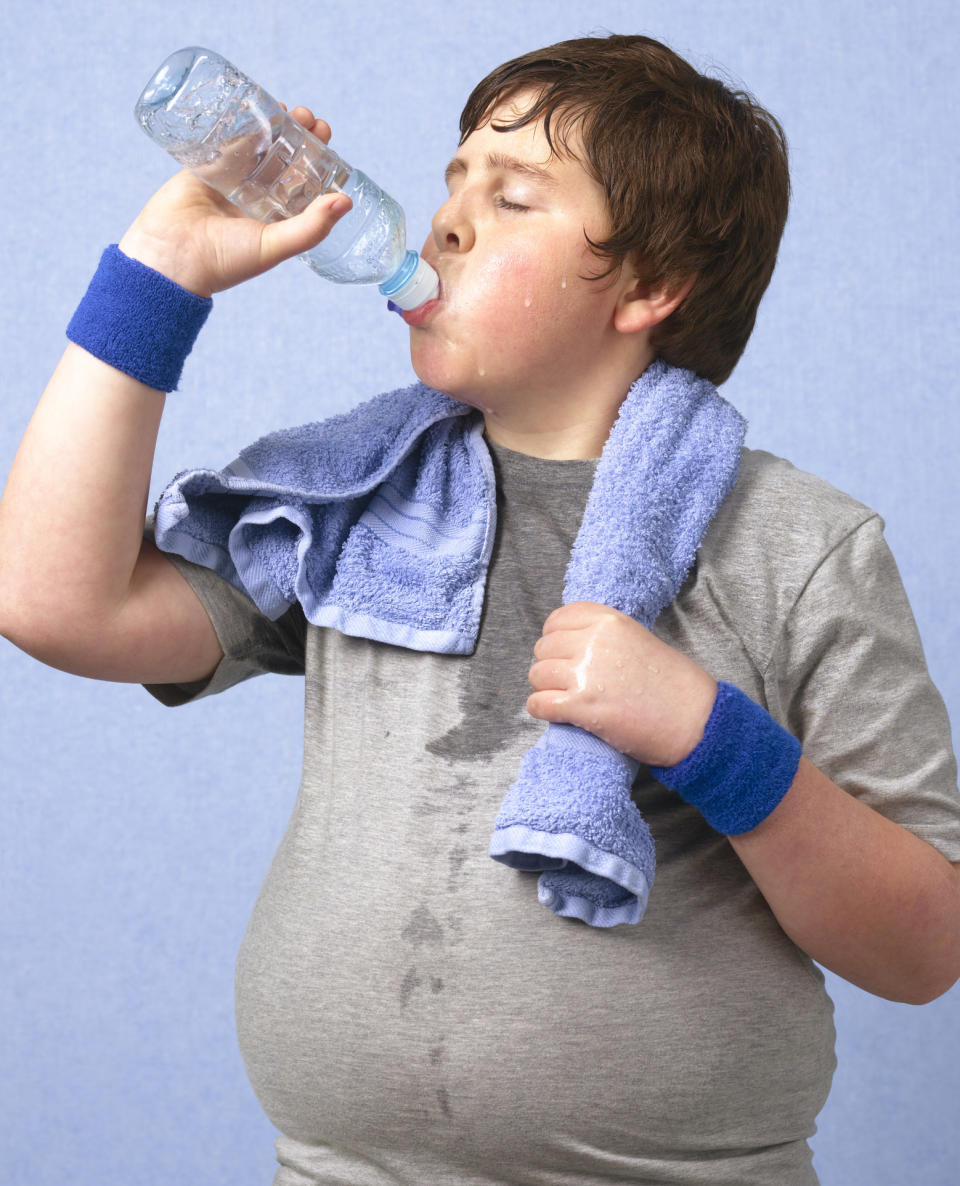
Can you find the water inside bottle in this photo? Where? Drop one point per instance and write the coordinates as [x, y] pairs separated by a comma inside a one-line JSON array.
[[282, 180], [233, 135], [367, 245], [184, 107]]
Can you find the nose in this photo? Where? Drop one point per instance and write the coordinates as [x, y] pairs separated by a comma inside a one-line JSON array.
[[452, 227]]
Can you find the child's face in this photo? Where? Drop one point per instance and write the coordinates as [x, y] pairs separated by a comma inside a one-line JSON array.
[[517, 322]]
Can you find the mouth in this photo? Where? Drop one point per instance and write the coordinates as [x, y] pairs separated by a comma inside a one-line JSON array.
[[422, 314]]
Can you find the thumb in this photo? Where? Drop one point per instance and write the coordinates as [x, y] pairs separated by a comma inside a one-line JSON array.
[[293, 236]]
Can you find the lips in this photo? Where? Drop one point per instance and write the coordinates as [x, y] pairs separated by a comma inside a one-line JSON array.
[[423, 313]]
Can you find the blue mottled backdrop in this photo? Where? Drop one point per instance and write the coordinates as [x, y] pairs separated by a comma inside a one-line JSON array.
[[134, 838]]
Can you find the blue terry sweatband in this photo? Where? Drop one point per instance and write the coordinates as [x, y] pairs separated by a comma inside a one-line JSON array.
[[741, 768], [138, 321]]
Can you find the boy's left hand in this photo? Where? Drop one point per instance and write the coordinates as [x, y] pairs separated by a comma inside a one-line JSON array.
[[599, 669]]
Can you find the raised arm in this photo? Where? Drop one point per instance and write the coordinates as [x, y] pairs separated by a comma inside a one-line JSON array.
[[79, 589]]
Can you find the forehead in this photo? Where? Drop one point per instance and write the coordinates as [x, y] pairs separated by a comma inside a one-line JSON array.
[[552, 163], [562, 144]]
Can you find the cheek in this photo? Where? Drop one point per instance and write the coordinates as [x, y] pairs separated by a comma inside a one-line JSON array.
[[512, 301], [502, 289], [508, 310]]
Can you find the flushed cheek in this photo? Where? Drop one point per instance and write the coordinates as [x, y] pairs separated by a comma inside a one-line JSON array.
[[517, 305], [500, 290], [500, 315]]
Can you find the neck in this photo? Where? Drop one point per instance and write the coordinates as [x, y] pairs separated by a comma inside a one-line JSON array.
[[582, 439], [563, 426]]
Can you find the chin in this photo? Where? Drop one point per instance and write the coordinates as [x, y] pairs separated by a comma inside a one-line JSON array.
[[459, 373], [441, 379], [432, 370]]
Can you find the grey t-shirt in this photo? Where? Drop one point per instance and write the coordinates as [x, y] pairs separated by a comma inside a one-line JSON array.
[[407, 1010]]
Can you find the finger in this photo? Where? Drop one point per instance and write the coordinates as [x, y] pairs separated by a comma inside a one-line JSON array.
[[548, 706], [317, 127], [544, 676], [293, 236], [558, 644], [321, 129], [576, 616]]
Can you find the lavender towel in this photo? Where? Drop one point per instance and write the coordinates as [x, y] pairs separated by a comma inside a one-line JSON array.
[[671, 458], [380, 523]]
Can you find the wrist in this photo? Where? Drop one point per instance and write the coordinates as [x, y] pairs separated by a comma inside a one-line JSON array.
[[169, 260], [138, 320], [741, 768], [698, 701]]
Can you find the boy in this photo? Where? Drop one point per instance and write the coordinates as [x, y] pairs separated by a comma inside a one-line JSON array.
[[407, 1012]]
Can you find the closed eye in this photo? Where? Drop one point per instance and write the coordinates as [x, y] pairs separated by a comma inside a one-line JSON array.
[[504, 204]]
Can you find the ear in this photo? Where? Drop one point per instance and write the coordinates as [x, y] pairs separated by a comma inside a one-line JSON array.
[[643, 305]]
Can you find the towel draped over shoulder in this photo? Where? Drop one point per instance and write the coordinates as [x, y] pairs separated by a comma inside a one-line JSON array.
[[380, 523]]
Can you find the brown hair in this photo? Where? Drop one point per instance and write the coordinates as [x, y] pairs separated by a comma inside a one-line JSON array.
[[695, 176]]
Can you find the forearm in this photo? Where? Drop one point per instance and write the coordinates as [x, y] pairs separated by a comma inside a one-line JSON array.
[[856, 892], [71, 515], [78, 589]]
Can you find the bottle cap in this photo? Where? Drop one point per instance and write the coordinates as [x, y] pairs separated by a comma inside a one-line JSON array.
[[413, 284]]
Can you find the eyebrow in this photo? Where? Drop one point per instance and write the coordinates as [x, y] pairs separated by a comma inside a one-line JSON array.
[[495, 161]]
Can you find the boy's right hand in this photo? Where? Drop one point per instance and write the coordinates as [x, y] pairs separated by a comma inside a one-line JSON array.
[[204, 243]]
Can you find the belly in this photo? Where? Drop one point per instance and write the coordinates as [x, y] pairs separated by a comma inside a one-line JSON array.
[[405, 1001]]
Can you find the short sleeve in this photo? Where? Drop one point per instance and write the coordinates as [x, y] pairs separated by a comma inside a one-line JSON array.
[[849, 678], [252, 643]]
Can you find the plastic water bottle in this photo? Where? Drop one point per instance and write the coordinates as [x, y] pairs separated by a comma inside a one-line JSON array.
[[226, 129]]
